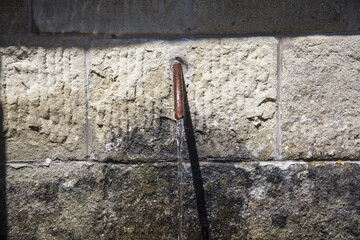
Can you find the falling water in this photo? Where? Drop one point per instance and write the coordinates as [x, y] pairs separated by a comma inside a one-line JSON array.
[[179, 134]]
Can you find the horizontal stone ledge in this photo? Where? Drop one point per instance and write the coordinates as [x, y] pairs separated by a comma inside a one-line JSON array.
[[192, 16], [139, 202], [282, 164]]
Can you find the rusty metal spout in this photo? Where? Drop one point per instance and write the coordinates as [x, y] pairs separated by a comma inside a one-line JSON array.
[[178, 91]]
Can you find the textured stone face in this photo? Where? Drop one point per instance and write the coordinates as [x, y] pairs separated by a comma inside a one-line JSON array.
[[43, 98], [131, 105], [231, 85], [320, 93], [92, 201], [232, 96], [55, 202], [141, 202], [267, 202], [249, 16], [13, 16], [116, 201]]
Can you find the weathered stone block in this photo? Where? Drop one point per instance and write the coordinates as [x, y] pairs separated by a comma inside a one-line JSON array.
[[245, 200], [232, 95], [62, 201], [235, 17], [130, 101], [141, 202], [126, 16], [319, 103], [91, 201], [191, 16], [231, 85], [43, 98], [13, 16], [251, 201]]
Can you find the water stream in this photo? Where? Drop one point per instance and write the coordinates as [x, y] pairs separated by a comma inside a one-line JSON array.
[[179, 141]]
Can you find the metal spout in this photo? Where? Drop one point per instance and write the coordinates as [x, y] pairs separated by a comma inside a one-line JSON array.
[[178, 91]]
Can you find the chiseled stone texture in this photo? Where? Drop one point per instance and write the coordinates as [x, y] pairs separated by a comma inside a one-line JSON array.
[[13, 16], [232, 96], [131, 105], [231, 85], [110, 16], [91, 201], [319, 98], [43, 98], [249, 201], [274, 16]]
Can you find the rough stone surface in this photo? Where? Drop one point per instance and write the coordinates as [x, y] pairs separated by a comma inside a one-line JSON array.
[[131, 105], [191, 16], [231, 85], [232, 96], [13, 16], [92, 201], [267, 202], [245, 201], [319, 98], [43, 98], [234, 17], [109, 16]]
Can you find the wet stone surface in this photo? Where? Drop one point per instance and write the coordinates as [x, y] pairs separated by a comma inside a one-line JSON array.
[[140, 201], [312, 201], [92, 201], [231, 86]]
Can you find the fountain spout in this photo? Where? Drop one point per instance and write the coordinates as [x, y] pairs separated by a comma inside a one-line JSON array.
[[178, 91]]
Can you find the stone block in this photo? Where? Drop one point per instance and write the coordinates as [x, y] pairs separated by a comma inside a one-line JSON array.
[[232, 95], [130, 101], [91, 201], [191, 17], [319, 98], [60, 201], [237, 17], [141, 202], [113, 17], [13, 16], [82, 200], [258, 201], [43, 98], [231, 85]]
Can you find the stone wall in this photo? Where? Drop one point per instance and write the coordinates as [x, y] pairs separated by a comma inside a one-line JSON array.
[[88, 144]]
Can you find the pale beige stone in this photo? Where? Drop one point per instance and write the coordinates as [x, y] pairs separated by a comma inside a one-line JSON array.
[[43, 98], [130, 101], [231, 86], [320, 93], [232, 97]]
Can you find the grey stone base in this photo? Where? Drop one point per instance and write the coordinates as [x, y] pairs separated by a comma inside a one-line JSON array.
[[245, 201]]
